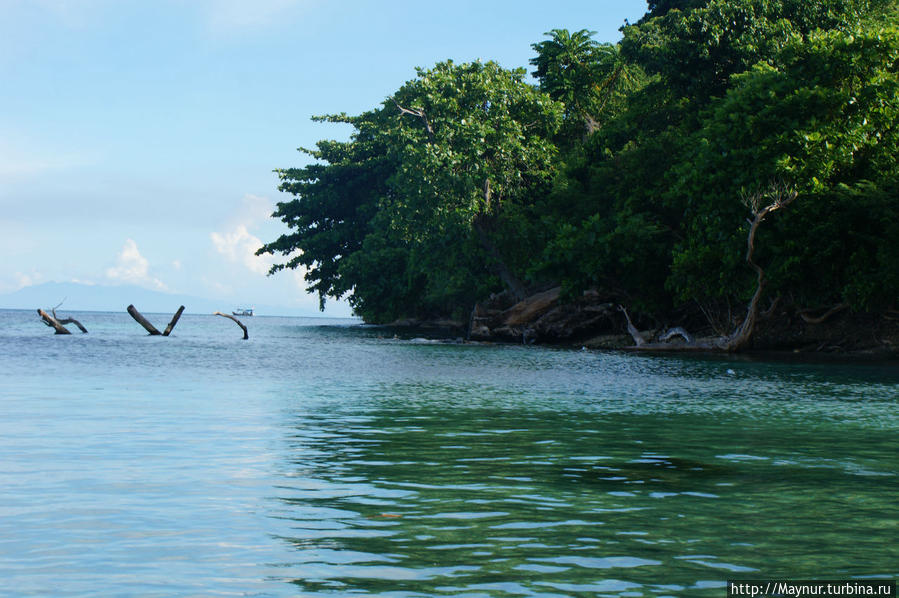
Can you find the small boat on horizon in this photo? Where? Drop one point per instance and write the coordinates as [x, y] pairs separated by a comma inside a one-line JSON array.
[[243, 311]]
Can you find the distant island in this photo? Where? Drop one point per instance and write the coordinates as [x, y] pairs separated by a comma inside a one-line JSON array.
[[727, 170], [85, 297]]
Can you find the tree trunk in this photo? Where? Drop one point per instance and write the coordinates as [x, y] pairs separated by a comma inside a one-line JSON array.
[[740, 337], [511, 282], [143, 321]]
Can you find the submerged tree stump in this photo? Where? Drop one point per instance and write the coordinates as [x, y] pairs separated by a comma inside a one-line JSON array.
[[175, 318], [140, 319], [53, 322], [238, 322], [59, 324], [152, 330]]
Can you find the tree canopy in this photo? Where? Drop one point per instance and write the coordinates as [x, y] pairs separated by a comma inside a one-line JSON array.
[[624, 169]]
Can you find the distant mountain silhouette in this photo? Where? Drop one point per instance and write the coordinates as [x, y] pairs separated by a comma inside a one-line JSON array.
[[84, 297]]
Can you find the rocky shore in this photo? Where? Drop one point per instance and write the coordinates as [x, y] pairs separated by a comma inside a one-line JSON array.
[[595, 322]]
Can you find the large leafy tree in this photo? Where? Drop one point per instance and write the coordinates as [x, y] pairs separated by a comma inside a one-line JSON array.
[[337, 196], [821, 117], [419, 211], [470, 140]]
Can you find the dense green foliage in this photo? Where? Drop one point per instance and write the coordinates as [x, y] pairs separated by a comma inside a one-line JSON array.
[[624, 169]]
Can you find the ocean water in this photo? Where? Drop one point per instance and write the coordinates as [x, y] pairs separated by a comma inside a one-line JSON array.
[[325, 458]]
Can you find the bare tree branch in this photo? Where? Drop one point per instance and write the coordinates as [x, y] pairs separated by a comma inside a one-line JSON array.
[[635, 334], [236, 321], [823, 317], [418, 113]]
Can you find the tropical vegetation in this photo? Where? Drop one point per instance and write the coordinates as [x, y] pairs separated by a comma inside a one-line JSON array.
[[623, 168]]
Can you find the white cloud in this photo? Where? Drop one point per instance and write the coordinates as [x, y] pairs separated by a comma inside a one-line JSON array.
[[24, 280], [219, 288], [239, 246], [237, 243], [133, 268], [256, 208]]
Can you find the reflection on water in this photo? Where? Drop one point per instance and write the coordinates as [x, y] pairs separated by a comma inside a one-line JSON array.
[[324, 460], [503, 500]]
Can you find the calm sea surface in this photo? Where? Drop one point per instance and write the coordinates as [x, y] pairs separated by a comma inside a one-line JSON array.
[[320, 459]]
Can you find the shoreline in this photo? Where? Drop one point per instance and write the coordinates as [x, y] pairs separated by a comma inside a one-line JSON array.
[[593, 322]]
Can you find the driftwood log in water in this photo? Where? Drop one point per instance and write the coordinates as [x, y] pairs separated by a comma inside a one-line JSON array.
[[140, 319], [238, 322], [53, 322], [58, 324], [780, 196], [152, 330]]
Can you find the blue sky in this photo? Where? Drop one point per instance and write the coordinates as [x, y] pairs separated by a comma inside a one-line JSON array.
[[138, 139]]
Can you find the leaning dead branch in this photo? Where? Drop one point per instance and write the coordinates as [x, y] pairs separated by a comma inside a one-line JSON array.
[[779, 195], [417, 113], [238, 322], [632, 330]]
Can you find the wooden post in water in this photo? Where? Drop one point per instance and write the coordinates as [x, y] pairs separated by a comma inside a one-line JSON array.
[[238, 322], [174, 321]]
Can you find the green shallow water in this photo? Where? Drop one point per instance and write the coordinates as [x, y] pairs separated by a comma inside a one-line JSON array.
[[319, 459]]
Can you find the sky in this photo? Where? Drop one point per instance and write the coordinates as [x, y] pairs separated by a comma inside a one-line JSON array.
[[138, 140]]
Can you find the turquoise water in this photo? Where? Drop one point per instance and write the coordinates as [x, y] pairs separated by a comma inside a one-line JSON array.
[[320, 459]]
